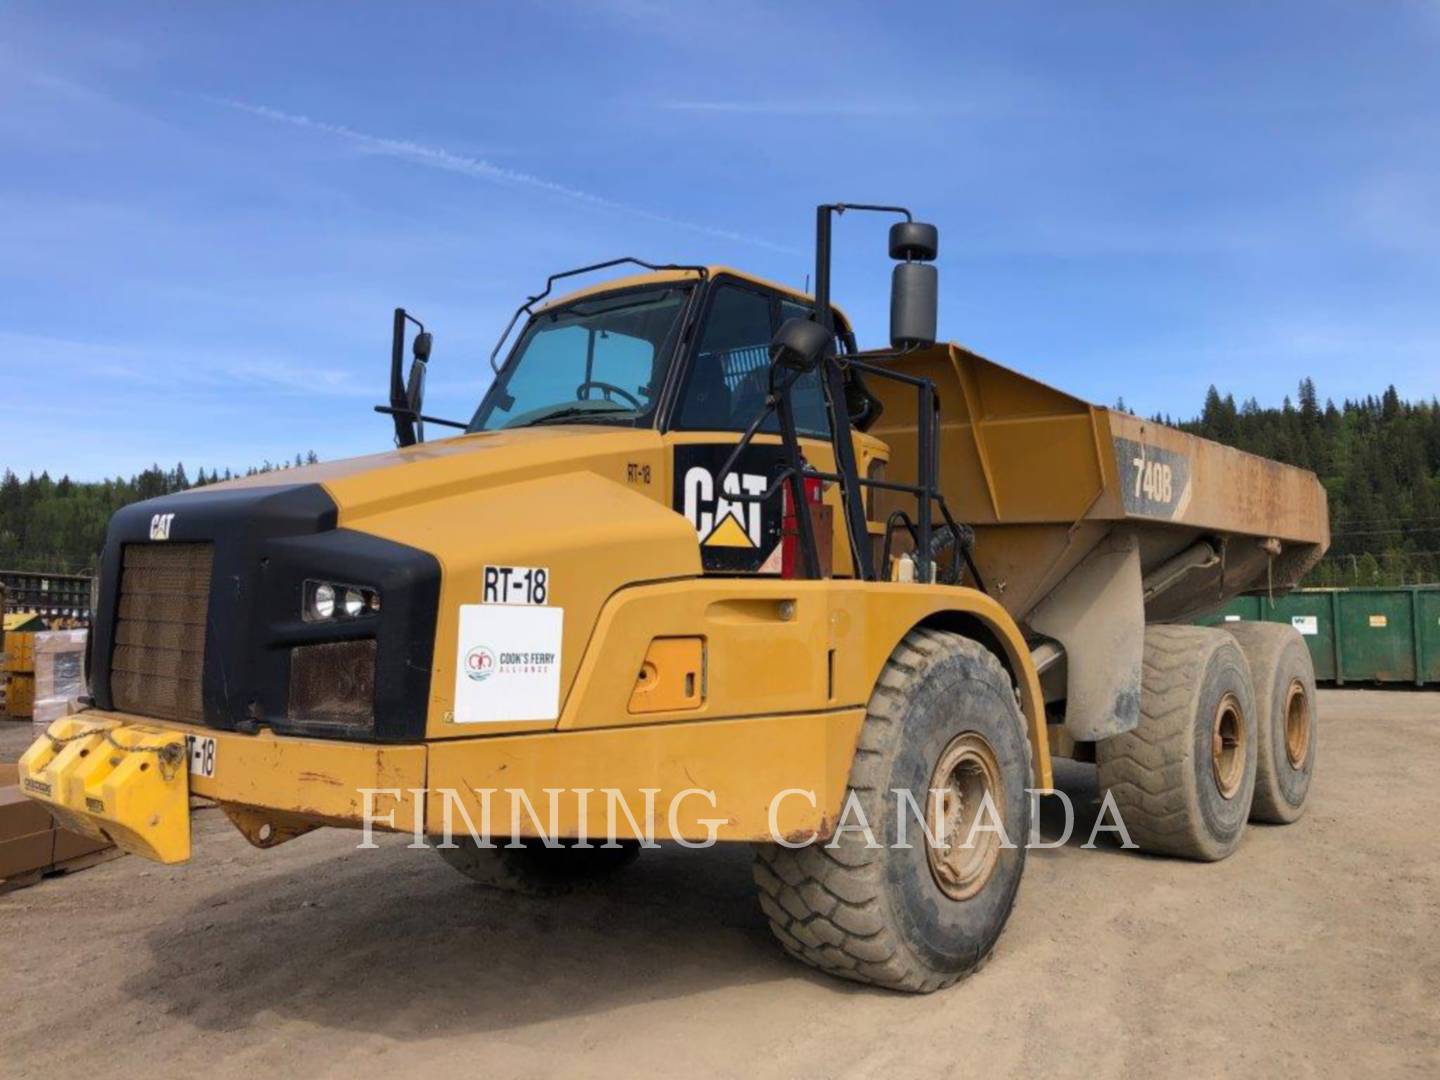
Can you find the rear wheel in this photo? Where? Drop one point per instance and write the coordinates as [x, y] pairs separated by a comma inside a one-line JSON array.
[[1285, 718], [535, 869], [1184, 778], [943, 718]]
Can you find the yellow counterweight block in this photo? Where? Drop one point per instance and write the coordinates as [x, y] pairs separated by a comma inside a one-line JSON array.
[[128, 783]]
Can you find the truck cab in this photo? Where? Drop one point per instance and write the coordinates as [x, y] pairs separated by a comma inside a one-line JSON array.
[[683, 353]]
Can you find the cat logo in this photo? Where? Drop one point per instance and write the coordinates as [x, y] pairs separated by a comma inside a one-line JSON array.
[[719, 521], [735, 534], [160, 526]]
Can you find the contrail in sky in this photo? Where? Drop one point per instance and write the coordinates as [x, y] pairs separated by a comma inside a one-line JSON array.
[[437, 157]]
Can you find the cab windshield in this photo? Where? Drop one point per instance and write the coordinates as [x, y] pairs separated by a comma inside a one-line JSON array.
[[599, 360]]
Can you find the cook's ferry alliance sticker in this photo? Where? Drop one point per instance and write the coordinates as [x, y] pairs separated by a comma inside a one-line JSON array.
[[507, 665]]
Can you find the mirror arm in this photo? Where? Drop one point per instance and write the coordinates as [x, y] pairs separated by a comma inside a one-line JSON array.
[[832, 381], [410, 414], [823, 214]]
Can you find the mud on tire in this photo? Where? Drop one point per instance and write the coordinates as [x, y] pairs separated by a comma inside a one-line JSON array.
[[1183, 780], [1285, 718], [885, 915]]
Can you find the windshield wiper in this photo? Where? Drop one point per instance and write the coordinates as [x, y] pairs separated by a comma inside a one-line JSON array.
[[571, 412]]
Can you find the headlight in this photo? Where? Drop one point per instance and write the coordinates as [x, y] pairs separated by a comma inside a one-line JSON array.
[[325, 600]]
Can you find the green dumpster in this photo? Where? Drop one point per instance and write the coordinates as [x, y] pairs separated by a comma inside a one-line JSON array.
[[1427, 603], [1355, 635]]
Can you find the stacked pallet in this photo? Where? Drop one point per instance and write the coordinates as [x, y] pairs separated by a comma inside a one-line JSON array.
[[32, 846], [45, 674], [19, 669]]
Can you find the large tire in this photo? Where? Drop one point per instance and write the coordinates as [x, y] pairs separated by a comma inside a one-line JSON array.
[[536, 870], [943, 711], [1184, 778], [1285, 718]]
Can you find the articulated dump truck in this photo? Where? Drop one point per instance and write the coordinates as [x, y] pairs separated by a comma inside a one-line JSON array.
[[699, 570]]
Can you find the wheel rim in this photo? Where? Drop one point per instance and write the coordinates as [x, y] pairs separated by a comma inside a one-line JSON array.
[[1227, 746], [1297, 724], [967, 771]]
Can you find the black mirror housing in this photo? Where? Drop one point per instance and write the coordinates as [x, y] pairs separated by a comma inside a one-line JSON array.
[[800, 345], [915, 285], [914, 241], [914, 305]]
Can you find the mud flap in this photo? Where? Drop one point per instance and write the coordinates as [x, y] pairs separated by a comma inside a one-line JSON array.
[[1098, 614], [127, 783]]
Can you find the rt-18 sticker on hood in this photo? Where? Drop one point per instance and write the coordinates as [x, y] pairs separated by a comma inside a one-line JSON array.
[[516, 585], [507, 664]]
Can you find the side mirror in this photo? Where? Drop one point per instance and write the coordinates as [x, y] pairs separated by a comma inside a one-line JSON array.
[[799, 345], [407, 394], [415, 384], [914, 285]]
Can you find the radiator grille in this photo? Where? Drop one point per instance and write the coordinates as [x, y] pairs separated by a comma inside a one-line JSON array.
[[160, 630]]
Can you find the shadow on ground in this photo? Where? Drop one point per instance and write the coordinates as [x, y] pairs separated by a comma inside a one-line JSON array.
[[395, 942], [1077, 783], [400, 944]]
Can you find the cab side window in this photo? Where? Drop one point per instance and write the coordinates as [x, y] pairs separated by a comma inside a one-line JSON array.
[[729, 375], [811, 416], [734, 346]]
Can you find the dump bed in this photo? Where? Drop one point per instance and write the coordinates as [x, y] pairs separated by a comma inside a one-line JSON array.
[[1045, 478]]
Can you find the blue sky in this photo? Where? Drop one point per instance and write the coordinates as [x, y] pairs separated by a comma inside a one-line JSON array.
[[207, 213]]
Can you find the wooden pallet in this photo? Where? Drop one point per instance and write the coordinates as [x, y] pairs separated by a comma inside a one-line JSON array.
[[69, 866]]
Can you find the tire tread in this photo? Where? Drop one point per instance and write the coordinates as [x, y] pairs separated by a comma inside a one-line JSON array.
[[825, 905], [1146, 769]]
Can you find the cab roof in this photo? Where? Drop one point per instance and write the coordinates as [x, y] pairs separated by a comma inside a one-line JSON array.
[[658, 277]]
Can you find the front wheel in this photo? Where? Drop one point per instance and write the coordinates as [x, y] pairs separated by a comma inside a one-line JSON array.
[[944, 746]]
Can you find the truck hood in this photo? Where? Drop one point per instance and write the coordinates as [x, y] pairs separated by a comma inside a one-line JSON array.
[[377, 483]]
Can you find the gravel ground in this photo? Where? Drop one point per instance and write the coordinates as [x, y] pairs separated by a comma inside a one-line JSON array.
[[1314, 951]]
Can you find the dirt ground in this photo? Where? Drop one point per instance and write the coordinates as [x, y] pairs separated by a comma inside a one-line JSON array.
[[1315, 951]]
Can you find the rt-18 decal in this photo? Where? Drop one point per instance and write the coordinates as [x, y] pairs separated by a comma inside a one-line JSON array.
[[516, 585]]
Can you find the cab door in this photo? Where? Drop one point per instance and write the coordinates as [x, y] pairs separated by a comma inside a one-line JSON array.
[[721, 391]]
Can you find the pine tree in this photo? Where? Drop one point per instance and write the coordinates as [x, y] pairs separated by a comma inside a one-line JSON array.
[[1379, 461], [60, 525]]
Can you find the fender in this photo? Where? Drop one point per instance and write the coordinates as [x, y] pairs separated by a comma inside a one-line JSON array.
[[783, 646]]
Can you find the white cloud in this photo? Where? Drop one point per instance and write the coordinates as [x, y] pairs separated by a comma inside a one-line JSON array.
[[840, 109], [437, 157], [173, 368]]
